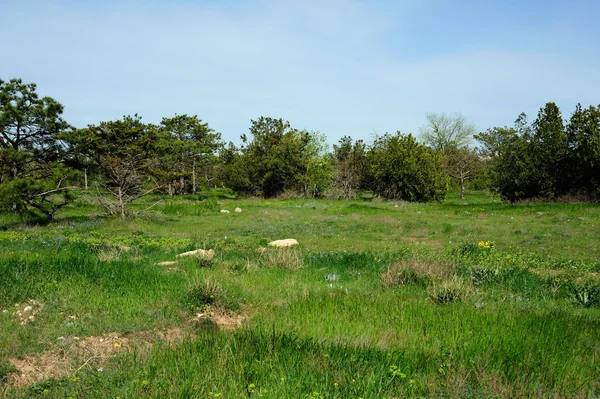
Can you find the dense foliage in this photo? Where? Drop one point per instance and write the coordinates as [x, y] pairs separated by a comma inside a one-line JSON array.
[[43, 159], [402, 168], [548, 158], [32, 175]]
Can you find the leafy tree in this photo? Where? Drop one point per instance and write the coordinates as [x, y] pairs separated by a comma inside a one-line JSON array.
[[121, 151], [317, 174], [444, 132], [462, 164], [402, 168], [187, 148], [526, 160], [508, 153], [232, 171], [274, 158], [583, 142], [549, 151], [350, 166], [32, 174]]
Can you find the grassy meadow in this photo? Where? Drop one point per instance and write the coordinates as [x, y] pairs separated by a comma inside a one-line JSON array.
[[470, 298]]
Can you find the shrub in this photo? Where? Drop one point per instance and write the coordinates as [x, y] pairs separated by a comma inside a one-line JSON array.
[[402, 168], [202, 293], [449, 291]]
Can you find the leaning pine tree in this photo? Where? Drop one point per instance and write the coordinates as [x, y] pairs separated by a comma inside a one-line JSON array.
[[33, 176]]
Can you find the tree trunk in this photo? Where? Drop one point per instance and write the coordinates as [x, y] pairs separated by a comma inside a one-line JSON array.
[[121, 203], [170, 189], [194, 176], [462, 188], [85, 178], [181, 185]]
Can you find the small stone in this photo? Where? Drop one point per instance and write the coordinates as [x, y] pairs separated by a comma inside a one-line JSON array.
[[238, 210], [202, 252], [224, 211], [27, 308], [288, 242]]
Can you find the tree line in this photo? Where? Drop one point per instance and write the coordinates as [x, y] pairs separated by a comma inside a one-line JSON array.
[[44, 161]]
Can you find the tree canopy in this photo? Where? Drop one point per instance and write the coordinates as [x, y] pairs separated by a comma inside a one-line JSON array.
[[32, 175]]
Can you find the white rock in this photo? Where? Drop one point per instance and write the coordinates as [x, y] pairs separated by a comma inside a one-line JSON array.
[[238, 210], [288, 242], [27, 308], [167, 263], [224, 211], [202, 252]]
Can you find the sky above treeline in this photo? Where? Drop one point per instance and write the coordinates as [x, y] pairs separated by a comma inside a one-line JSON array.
[[341, 67]]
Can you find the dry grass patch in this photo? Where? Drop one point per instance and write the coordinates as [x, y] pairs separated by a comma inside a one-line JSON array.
[[112, 253], [452, 290], [416, 272], [287, 258]]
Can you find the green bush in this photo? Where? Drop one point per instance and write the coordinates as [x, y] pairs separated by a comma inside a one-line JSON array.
[[404, 169], [202, 293]]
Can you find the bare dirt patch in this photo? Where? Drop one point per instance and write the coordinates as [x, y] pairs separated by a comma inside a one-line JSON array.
[[68, 355], [36, 368], [223, 318]]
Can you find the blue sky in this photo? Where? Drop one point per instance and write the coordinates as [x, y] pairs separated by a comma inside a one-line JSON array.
[[341, 67]]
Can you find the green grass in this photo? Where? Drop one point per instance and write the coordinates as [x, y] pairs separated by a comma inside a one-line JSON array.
[[322, 320]]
